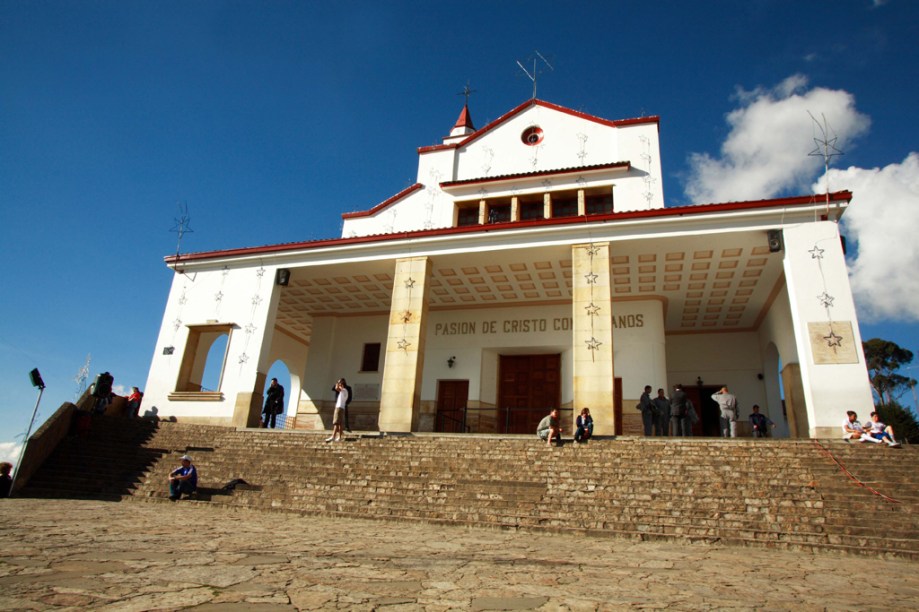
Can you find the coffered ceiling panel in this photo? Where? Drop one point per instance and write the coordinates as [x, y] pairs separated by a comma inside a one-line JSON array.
[[706, 283]]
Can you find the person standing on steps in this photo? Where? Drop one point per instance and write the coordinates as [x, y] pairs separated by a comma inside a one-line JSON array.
[[662, 403], [679, 412], [727, 403], [134, 401], [341, 405], [274, 404], [348, 404], [648, 412], [6, 481]]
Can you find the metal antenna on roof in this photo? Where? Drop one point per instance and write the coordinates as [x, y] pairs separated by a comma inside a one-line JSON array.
[[533, 75], [182, 226], [466, 92], [826, 148], [81, 378]]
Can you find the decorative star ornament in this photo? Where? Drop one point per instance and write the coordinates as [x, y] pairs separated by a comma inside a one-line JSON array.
[[218, 296], [183, 299], [177, 324], [256, 300], [592, 310], [833, 340], [409, 283], [243, 358], [260, 272], [593, 250], [826, 299], [593, 344], [816, 252], [406, 316], [403, 344], [250, 329], [591, 278]]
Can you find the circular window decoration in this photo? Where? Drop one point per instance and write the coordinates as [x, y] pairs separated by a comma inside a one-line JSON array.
[[532, 136]]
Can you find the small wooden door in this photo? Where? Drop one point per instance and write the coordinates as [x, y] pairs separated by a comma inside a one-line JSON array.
[[452, 396]]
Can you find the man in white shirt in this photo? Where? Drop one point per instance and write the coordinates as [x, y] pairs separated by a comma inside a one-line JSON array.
[[341, 403]]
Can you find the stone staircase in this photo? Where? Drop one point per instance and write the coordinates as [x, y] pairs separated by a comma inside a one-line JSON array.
[[789, 494]]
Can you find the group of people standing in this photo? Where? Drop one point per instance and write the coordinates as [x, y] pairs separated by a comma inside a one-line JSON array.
[[662, 415]]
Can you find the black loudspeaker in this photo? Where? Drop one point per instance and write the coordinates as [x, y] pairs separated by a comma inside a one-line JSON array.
[[35, 375], [775, 240], [283, 277]]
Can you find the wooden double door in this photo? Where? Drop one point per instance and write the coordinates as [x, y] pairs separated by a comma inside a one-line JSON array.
[[529, 386]]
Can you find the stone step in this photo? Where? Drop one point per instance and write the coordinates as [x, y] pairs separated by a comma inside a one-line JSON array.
[[771, 493]]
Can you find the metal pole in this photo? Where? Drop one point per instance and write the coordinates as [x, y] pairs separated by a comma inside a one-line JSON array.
[[25, 441]]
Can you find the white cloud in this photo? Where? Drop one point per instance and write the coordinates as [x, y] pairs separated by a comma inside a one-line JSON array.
[[884, 221], [766, 153], [9, 451], [771, 135]]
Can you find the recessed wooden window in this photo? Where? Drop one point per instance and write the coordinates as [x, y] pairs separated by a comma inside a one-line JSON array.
[[598, 203], [499, 213], [467, 215], [532, 209], [564, 205], [370, 360]]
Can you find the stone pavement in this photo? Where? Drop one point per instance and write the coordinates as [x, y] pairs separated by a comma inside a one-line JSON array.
[[66, 554]]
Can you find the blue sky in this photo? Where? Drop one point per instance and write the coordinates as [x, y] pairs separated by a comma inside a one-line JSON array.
[[270, 119]]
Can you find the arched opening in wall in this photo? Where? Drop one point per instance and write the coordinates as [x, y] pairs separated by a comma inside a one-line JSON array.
[[280, 371], [775, 392]]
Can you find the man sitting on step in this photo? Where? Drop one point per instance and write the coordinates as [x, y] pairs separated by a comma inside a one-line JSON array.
[[550, 427], [879, 431], [183, 479], [852, 430]]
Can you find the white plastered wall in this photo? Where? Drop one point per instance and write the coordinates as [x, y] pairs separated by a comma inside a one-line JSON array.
[[639, 346], [336, 349], [731, 359], [245, 297], [569, 141]]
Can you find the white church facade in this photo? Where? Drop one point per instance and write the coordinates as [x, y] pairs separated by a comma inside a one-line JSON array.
[[532, 265]]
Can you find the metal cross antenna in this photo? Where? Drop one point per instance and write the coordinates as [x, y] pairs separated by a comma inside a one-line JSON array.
[[81, 377], [826, 148], [532, 76], [466, 92], [182, 226]]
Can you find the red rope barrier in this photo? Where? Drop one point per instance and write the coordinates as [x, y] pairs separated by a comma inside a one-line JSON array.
[[849, 474]]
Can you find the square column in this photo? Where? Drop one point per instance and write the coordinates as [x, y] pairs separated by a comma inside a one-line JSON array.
[[593, 334], [833, 373], [400, 397]]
